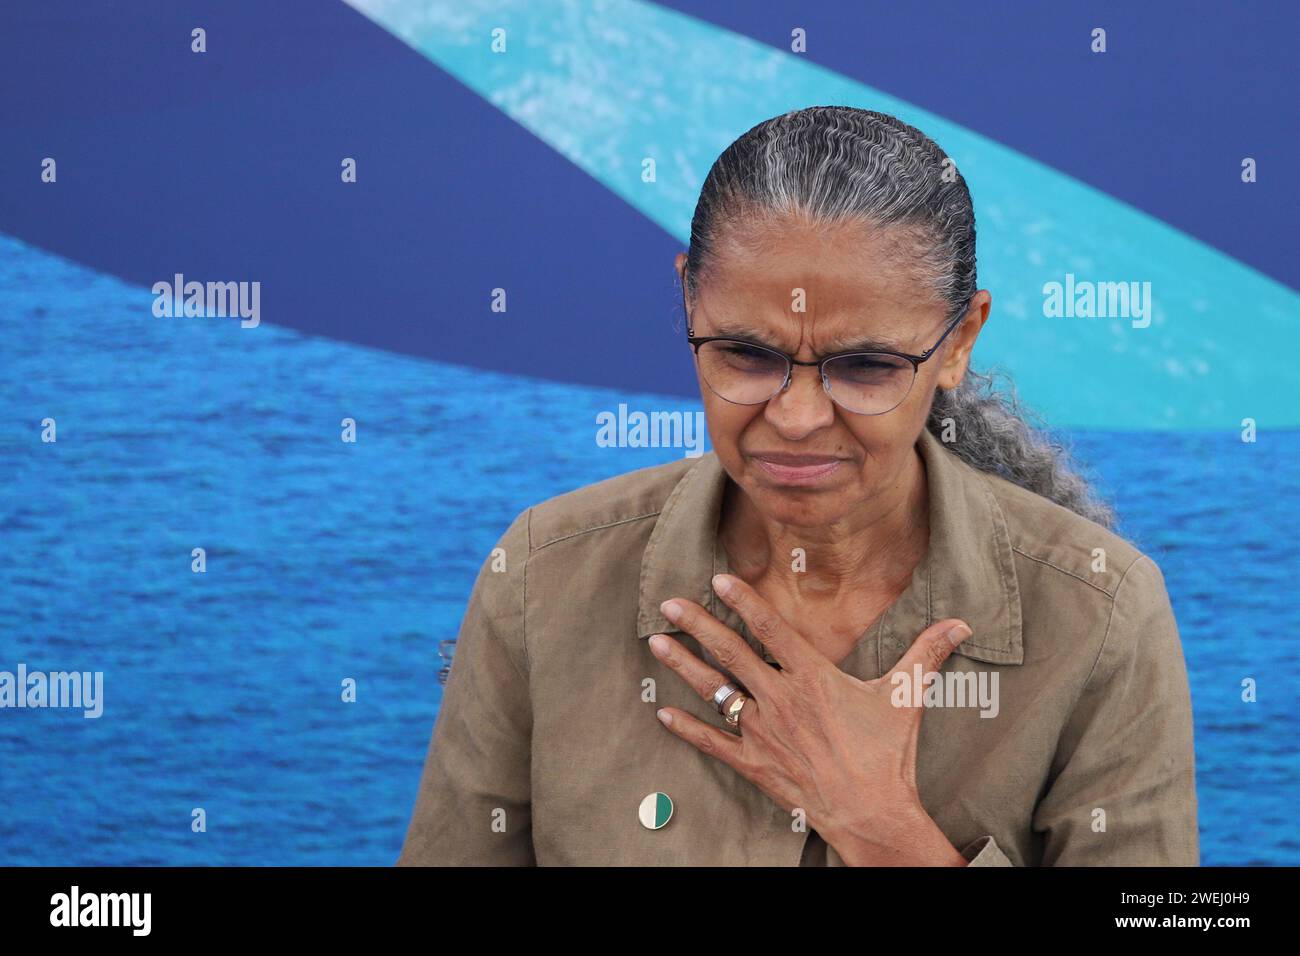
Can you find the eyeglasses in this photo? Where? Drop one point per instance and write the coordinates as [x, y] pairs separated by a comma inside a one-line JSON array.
[[867, 383]]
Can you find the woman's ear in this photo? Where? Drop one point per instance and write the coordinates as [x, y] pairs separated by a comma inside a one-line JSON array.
[[679, 264], [956, 357]]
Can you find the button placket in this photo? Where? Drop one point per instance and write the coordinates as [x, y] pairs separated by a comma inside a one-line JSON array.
[[780, 846]]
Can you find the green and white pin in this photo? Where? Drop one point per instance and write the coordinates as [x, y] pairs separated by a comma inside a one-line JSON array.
[[655, 811]]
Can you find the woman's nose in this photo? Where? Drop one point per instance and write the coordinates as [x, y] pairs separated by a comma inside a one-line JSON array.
[[803, 405]]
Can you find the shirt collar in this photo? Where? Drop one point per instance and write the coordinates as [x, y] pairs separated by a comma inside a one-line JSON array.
[[968, 571]]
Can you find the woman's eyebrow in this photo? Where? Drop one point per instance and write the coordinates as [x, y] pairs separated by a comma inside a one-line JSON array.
[[835, 345], [747, 333], [863, 345]]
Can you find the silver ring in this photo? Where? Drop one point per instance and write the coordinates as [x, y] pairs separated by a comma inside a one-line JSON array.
[[720, 697]]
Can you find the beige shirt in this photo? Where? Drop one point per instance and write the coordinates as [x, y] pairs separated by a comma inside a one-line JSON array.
[[547, 740]]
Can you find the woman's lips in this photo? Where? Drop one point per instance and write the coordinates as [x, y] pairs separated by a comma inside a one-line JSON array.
[[798, 469]]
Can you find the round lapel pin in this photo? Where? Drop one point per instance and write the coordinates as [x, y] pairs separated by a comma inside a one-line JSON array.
[[655, 811]]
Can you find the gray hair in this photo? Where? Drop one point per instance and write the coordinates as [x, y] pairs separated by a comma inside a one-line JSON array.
[[838, 164]]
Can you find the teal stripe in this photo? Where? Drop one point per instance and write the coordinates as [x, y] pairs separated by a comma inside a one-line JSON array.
[[608, 84], [663, 810]]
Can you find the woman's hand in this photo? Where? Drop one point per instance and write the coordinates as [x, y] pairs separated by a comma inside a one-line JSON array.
[[812, 736]]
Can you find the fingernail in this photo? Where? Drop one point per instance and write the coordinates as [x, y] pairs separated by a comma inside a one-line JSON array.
[[658, 643], [664, 717], [958, 633], [671, 610], [721, 584]]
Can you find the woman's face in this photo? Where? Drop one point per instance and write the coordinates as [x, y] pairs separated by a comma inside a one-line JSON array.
[[857, 288]]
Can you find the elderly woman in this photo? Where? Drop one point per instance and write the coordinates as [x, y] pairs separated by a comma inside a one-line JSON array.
[[882, 623]]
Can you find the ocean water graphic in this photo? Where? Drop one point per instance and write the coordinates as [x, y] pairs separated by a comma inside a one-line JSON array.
[[328, 561]]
